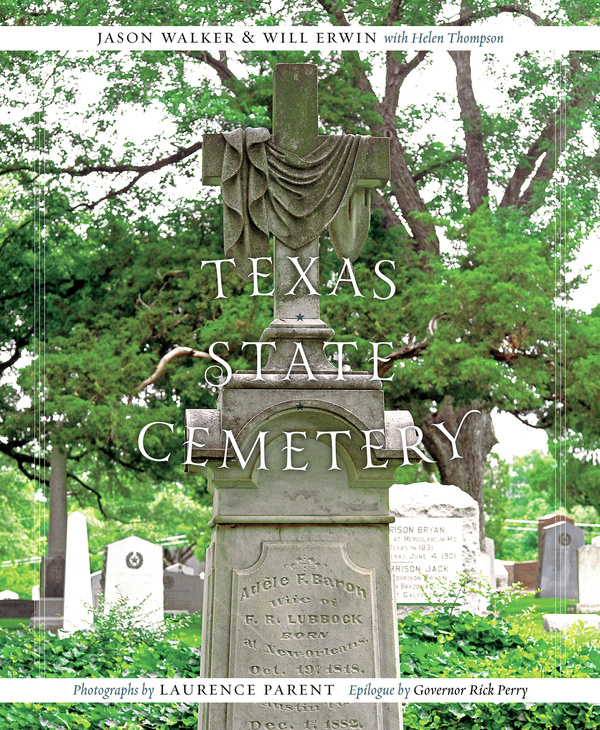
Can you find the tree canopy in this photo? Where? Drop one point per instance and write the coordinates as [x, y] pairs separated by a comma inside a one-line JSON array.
[[493, 187]]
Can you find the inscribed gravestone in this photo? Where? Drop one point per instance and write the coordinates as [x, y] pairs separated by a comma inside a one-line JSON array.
[[183, 591], [78, 587], [134, 574], [546, 521], [588, 578], [558, 571], [433, 540], [298, 578]]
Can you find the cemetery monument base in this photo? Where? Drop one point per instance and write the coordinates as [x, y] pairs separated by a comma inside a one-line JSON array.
[[298, 582]]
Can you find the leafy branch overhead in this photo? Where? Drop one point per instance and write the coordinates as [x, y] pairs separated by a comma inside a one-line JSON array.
[[105, 149]]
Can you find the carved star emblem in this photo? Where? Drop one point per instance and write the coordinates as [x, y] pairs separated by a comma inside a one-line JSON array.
[[300, 318], [300, 407]]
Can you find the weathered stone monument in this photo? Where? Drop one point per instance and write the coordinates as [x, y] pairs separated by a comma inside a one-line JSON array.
[[133, 575], [49, 609], [299, 453], [558, 560], [546, 521], [434, 539], [78, 586]]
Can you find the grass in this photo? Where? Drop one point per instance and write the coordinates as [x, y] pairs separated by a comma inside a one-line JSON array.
[[526, 613], [12, 624], [192, 633]]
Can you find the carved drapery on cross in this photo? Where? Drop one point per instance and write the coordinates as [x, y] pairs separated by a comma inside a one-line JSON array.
[[270, 191]]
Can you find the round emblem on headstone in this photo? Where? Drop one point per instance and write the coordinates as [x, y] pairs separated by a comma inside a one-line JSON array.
[[134, 560], [168, 581], [565, 539]]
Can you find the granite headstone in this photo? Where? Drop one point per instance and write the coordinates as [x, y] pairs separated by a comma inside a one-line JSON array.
[[558, 571], [501, 575], [183, 591], [95, 581]]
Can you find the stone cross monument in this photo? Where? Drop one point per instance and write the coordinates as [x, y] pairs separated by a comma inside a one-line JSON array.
[[299, 456]]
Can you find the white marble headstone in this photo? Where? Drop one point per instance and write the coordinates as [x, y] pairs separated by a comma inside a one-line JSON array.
[[77, 613], [588, 575], [134, 573], [434, 538]]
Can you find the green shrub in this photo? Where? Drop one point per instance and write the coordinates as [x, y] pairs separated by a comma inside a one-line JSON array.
[[460, 645], [441, 644], [116, 646]]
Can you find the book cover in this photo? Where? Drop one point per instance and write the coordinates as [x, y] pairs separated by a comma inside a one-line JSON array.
[[118, 316]]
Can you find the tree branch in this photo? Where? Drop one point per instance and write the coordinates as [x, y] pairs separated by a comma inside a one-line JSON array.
[[404, 353], [413, 349], [521, 417], [31, 475], [549, 145], [94, 492], [15, 230], [456, 157], [404, 188], [218, 64], [177, 351], [181, 154], [334, 11], [396, 74], [389, 215], [20, 342], [468, 18]]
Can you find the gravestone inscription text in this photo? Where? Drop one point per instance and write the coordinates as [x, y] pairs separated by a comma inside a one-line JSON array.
[[305, 611], [430, 547]]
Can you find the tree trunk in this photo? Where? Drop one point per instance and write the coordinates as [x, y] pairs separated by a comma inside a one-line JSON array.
[[52, 580], [474, 442]]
